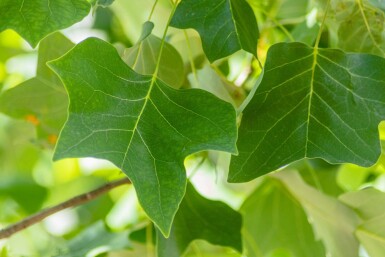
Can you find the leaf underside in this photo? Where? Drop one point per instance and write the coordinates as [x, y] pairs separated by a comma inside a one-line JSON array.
[[225, 26], [311, 104], [35, 19], [139, 123]]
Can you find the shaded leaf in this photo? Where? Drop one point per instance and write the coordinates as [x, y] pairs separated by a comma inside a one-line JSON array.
[[225, 26], [94, 241], [140, 124], [24, 191], [371, 234], [332, 221], [200, 218], [206, 78], [35, 19], [41, 100], [303, 109], [274, 221], [143, 57]]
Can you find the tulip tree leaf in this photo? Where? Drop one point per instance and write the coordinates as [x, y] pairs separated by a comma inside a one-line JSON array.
[[369, 205], [270, 214], [41, 100], [225, 26], [333, 222], [35, 19], [212, 221], [139, 123], [303, 109], [143, 56]]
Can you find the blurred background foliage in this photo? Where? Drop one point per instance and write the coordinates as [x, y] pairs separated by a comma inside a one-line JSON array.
[[309, 208]]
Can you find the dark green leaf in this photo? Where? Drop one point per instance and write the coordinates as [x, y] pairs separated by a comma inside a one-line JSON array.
[[199, 218], [303, 109], [35, 19], [140, 124], [275, 221], [24, 191], [225, 26], [41, 100]]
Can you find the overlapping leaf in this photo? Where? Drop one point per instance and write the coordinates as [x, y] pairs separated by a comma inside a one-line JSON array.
[[312, 103], [139, 123], [369, 205], [41, 100], [275, 222], [199, 218], [333, 222], [143, 57], [225, 26], [35, 19]]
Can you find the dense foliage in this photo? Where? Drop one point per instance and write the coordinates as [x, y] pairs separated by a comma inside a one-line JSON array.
[[253, 126]]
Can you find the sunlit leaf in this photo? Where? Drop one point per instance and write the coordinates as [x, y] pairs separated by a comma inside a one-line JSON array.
[[274, 221], [41, 100], [225, 26], [143, 57], [332, 221], [139, 123], [304, 106], [200, 218], [35, 19], [369, 205]]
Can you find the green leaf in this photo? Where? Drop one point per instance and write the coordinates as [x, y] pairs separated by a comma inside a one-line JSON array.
[[303, 109], [143, 56], [35, 19], [362, 30], [139, 123], [41, 100], [24, 191], [369, 205], [225, 26], [332, 221], [94, 241], [206, 78], [200, 218], [371, 234], [275, 221], [102, 3]]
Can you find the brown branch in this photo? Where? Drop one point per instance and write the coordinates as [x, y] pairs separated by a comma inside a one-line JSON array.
[[77, 200]]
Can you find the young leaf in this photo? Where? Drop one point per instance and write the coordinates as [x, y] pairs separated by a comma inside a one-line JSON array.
[[35, 19], [303, 109], [225, 26], [200, 218], [274, 221], [143, 56], [139, 123], [41, 100]]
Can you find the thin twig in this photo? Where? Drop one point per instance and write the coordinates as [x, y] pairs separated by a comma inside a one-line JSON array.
[[77, 200]]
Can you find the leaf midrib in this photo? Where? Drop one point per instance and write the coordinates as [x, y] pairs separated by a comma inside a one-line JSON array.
[[311, 92]]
